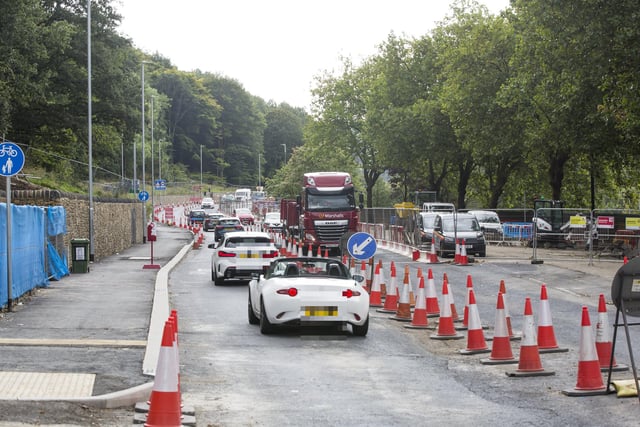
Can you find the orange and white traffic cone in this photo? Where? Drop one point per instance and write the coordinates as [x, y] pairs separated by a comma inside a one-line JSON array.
[[546, 336], [456, 256], [590, 381], [464, 259], [465, 313], [604, 344], [391, 300], [475, 335], [529, 364], [310, 250], [319, 254], [433, 256], [326, 253], [445, 330], [433, 309], [383, 281], [503, 291], [454, 311], [501, 346], [419, 319], [164, 405], [403, 313], [364, 272], [375, 296]]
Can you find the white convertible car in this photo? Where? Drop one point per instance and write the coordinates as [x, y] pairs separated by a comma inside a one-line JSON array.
[[308, 291]]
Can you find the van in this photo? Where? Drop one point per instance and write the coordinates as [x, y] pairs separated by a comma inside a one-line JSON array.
[[243, 195], [438, 207], [489, 223], [463, 226]]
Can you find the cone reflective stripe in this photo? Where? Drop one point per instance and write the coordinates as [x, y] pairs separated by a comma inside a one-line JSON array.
[[475, 335], [501, 345], [529, 363], [546, 336], [164, 405], [589, 376], [419, 319], [375, 297], [404, 307], [445, 328], [433, 309], [503, 291], [604, 345], [391, 301]]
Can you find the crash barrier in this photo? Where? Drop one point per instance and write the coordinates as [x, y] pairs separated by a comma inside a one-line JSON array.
[[599, 234], [34, 255]]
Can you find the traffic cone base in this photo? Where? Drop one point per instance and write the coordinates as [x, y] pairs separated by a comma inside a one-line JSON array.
[[553, 350]]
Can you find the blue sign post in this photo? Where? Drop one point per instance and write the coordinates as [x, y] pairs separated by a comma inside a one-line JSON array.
[[11, 162], [362, 246]]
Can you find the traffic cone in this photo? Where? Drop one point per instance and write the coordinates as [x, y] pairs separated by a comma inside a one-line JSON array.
[[625, 260], [433, 309], [319, 254], [464, 259], [403, 313], [300, 250], [501, 346], [546, 336], [529, 364], [433, 256], [445, 330], [164, 405], [364, 273], [475, 335], [454, 312], [326, 252], [375, 297], [419, 319], [503, 291], [603, 340], [456, 256], [465, 313], [383, 281], [589, 376], [391, 300]]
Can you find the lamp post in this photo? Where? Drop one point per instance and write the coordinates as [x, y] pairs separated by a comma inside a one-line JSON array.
[[144, 205], [152, 172], [90, 131], [200, 167]]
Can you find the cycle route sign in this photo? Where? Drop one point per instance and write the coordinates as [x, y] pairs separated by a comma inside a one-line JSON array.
[[11, 159]]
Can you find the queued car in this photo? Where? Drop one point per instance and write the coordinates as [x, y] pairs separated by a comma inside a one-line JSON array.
[[197, 216], [490, 225], [245, 215], [424, 227], [240, 255], [211, 220], [272, 222], [462, 226], [226, 224], [207, 203], [308, 291]]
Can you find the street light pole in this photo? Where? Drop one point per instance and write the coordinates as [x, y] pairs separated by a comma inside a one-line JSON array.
[[200, 167], [152, 172], [90, 131], [144, 205]]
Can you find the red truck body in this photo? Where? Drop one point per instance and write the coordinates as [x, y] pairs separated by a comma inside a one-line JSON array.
[[325, 211]]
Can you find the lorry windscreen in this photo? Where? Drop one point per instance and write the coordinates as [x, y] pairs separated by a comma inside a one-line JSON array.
[[330, 202]]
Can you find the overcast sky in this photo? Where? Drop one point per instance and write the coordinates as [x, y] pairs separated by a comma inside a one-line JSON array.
[[274, 48]]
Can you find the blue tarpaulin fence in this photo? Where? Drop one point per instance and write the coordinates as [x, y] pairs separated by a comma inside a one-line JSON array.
[[28, 236]]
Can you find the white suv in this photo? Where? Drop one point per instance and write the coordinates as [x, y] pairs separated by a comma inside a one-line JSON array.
[[240, 254]]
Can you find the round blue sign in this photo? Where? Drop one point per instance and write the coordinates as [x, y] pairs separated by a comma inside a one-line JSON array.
[[362, 246], [11, 159], [143, 196]]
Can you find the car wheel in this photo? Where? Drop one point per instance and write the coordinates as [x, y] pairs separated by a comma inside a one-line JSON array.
[[217, 280], [253, 319], [361, 330], [265, 326]]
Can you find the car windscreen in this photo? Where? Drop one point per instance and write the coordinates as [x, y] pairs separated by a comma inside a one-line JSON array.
[[463, 224], [198, 214], [487, 218], [247, 241]]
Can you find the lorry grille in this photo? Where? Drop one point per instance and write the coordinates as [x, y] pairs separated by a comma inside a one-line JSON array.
[[331, 231]]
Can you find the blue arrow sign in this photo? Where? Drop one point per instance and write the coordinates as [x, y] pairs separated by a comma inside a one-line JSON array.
[[143, 196], [11, 159], [362, 246]]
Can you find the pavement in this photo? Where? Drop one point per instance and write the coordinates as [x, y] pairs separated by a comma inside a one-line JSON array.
[[94, 337]]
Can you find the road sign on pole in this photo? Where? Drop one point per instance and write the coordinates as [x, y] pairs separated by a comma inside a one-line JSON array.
[[143, 196], [11, 159], [362, 246]]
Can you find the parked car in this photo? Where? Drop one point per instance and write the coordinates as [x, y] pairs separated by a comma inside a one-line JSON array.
[[196, 216], [226, 224], [207, 202], [272, 222], [245, 215], [240, 254], [448, 227], [490, 225], [211, 220], [424, 227], [308, 291]]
